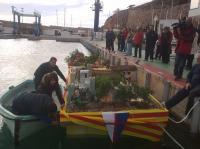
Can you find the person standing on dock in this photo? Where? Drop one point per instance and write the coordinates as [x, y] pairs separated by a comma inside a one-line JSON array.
[[165, 45], [137, 41], [151, 38], [123, 39], [184, 32], [47, 67], [110, 38], [119, 38]]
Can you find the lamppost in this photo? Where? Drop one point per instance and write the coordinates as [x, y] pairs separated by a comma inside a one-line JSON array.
[[172, 6], [156, 22], [117, 18], [97, 7], [22, 10], [64, 16], [57, 17]]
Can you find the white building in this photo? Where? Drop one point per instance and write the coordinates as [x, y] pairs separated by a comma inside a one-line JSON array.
[[194, 8]]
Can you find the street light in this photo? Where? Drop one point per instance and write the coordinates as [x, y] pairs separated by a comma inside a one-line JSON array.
[[156, 22], [22, 10]]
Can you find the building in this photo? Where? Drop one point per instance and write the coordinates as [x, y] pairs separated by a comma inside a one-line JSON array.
[[194, 8], [149, 13]]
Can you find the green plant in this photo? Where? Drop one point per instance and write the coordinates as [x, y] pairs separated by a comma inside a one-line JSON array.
[[141, 92], [91, 59], [117, 78], [77, 58], [123, 93], [103, 85]]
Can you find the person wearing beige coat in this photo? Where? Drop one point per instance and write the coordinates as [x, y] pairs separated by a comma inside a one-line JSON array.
[[194, 51]]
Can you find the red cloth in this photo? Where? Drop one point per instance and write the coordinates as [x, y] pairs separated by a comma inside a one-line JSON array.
[[185, 39], [138, 38], [169, 39]]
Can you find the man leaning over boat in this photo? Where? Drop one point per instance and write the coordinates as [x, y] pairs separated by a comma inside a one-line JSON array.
[[42, 86], [47, 67]]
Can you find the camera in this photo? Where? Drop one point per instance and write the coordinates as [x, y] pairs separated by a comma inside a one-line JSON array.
[[181, 24]]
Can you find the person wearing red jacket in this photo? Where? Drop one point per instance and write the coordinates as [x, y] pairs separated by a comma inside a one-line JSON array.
[[184, 33], [137, 41]]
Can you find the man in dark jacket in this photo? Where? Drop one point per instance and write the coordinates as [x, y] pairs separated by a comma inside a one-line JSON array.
[[110, 38], [192, 88], [46, 68], [151, 38], [33, 104], [184, 33]]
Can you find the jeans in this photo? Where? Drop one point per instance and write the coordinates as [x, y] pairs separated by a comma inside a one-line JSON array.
[[140, 50], [179, 64], [190, 59], [129, 49], [149, 53], [182, 94]]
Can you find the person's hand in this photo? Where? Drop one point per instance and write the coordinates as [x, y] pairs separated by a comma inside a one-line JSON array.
[[187, 86], [66, 82]]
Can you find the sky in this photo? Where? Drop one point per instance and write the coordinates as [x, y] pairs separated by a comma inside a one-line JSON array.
[[77, 12]]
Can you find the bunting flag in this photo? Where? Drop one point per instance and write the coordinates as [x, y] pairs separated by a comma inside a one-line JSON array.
[[115, 123], [140, 123], [144, 124]]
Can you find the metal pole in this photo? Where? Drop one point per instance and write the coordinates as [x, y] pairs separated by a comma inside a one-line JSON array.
[[117, 17], [22, 9], [14, 25], [172, 5], [161, 10], [57, 16], [71, 19], [64, 16], [166, 14]]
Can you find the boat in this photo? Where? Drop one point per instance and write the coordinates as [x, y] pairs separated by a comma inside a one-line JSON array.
[[146, 123], [19, 126]]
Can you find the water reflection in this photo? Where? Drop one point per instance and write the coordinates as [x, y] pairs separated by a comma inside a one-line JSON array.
[[20, 57]]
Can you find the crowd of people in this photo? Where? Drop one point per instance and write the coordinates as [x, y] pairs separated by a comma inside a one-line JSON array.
[[160, 47]]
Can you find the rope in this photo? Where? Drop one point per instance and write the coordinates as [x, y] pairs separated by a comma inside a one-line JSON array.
[[178, 122], [171, 137]]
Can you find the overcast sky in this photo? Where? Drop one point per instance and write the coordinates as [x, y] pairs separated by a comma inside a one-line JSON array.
[[78, 12]]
